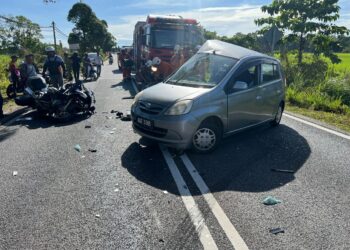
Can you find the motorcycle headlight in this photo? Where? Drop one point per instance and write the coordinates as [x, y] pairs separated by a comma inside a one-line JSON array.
[[180, 108]]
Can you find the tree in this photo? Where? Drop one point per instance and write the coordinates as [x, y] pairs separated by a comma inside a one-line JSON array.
[[89, 31], [19, 33], [305, 20]]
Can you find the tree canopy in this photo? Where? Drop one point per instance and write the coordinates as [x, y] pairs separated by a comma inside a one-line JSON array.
[[306, 20], [89, 31]]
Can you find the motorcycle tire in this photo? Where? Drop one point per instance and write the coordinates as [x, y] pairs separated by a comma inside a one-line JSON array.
[[11, 91]]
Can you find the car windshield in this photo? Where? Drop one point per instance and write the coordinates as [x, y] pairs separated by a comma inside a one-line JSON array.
[[168, 38], [203, 70]]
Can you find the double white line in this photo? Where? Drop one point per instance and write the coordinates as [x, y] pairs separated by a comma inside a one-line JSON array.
[[195, 214]]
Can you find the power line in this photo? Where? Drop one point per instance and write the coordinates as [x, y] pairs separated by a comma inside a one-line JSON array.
[[19, 23]]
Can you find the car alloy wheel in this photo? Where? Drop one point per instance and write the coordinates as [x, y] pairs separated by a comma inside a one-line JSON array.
[[204, 139]]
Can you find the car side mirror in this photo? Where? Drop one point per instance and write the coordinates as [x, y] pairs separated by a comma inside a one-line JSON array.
[[239, 85]]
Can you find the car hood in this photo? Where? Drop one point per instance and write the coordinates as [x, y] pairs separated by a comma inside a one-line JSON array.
[[167, 94]]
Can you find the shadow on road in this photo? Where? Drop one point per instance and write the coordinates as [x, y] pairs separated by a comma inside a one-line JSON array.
[[243, 162], [127, 85], [34, 120]]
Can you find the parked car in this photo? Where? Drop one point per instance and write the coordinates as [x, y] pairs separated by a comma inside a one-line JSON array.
[[221, 90]]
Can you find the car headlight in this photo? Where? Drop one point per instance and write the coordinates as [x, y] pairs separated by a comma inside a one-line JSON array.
[[180, 108]]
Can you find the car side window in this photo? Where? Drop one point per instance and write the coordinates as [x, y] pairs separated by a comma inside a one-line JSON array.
[[269, 73], [247, 79]]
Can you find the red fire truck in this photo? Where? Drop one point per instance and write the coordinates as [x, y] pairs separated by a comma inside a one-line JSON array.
[[158, 36]]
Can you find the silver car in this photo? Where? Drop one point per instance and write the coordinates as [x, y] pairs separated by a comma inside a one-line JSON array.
[[221, 90]]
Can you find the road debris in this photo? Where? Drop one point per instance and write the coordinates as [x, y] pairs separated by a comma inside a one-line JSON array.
[[14, 173], [24, 119], [270, 200], [128, 97], [83, 156], [77, 147], [87, 126], [116, 190], [97, 215], [276, 230], [92, 150], [283, 171], [165, 192], [112, 132]]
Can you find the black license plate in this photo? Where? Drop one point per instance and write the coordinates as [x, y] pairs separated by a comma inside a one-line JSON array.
[[144, 122]]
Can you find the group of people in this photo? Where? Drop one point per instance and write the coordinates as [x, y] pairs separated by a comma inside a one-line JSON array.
[[54, 64], [157, 70], [125, 63]]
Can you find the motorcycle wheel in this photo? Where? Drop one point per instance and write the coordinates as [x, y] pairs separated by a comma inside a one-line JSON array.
[[11, 91]]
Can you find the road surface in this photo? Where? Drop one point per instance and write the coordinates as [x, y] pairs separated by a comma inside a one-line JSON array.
[[128, 196]]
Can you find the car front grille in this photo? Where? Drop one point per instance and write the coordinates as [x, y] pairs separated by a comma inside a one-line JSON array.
[[150, 108]]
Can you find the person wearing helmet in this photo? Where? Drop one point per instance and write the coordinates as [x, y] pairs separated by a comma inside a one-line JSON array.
[[127, 66], [75, 59], [162, 69], [55, 65], [178, 58]]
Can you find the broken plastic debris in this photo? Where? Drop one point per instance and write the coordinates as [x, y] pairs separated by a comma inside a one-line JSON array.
[[116, 190], [283, 171], [24, 119], [165, 192], [128, 97], [77, 147], [14, 173], [119, 114], [270, 200], [92, 150], [276, 230], [97, 215], [87, 126], [83, 156], [112, 132]]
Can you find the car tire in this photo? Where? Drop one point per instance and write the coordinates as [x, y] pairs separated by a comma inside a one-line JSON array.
[[207, 137], [276, 121]]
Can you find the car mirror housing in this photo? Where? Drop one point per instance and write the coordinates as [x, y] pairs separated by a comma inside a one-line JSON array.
[[239, 85]]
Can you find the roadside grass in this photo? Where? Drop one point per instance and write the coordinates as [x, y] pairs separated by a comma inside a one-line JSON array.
[[340, 121]]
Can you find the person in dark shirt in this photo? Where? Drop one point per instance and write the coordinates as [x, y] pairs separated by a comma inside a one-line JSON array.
[[76, 66], [56, 67]]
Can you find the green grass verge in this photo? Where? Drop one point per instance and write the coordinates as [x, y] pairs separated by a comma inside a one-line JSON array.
[[337, 120]]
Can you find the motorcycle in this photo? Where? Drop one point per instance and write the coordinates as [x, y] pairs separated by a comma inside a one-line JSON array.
[[14, 87], [92, 72], [110, 60], [61, 104]]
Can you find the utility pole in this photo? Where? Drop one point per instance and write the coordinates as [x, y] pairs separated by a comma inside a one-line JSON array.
[[54, 34]]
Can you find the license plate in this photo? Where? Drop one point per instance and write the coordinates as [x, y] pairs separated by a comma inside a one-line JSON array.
[[144, 122]]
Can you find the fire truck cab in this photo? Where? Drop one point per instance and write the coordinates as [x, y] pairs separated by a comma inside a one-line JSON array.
[[158, 36]]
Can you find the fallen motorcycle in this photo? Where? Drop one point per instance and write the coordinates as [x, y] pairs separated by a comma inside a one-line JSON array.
[[61, 104]]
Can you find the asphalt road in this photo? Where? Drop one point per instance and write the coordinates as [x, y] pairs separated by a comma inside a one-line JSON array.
[[128, 196]]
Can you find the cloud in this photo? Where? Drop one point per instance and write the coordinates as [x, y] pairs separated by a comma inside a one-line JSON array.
[[223, 20]]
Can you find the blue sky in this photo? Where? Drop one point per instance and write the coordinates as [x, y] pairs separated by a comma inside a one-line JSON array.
[[224, 16]]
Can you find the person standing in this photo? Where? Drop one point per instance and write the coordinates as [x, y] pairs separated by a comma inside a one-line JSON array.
[[87, 64], [1, 104], [56, 67], [99, 63], [28, 68], [14, 71], [68, 63], [75, 59]]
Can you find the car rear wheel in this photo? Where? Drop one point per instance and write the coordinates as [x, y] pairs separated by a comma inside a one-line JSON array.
[[206, 138], [276, 121]]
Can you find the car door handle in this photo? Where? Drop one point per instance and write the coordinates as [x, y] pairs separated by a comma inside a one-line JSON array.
[[259, 97]]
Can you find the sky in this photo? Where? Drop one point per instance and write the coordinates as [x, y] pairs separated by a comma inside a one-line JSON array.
[[226, 17]]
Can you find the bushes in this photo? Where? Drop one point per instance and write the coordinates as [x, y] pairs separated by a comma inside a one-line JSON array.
[[4, 61]]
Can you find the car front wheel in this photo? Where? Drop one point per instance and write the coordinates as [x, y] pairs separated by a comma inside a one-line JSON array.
[[206, 138]]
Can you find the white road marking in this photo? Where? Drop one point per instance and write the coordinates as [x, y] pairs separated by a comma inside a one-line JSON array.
[[195, 214], [318, 126], [230, 231]]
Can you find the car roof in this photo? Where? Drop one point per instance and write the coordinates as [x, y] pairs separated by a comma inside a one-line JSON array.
[[230, 50]]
